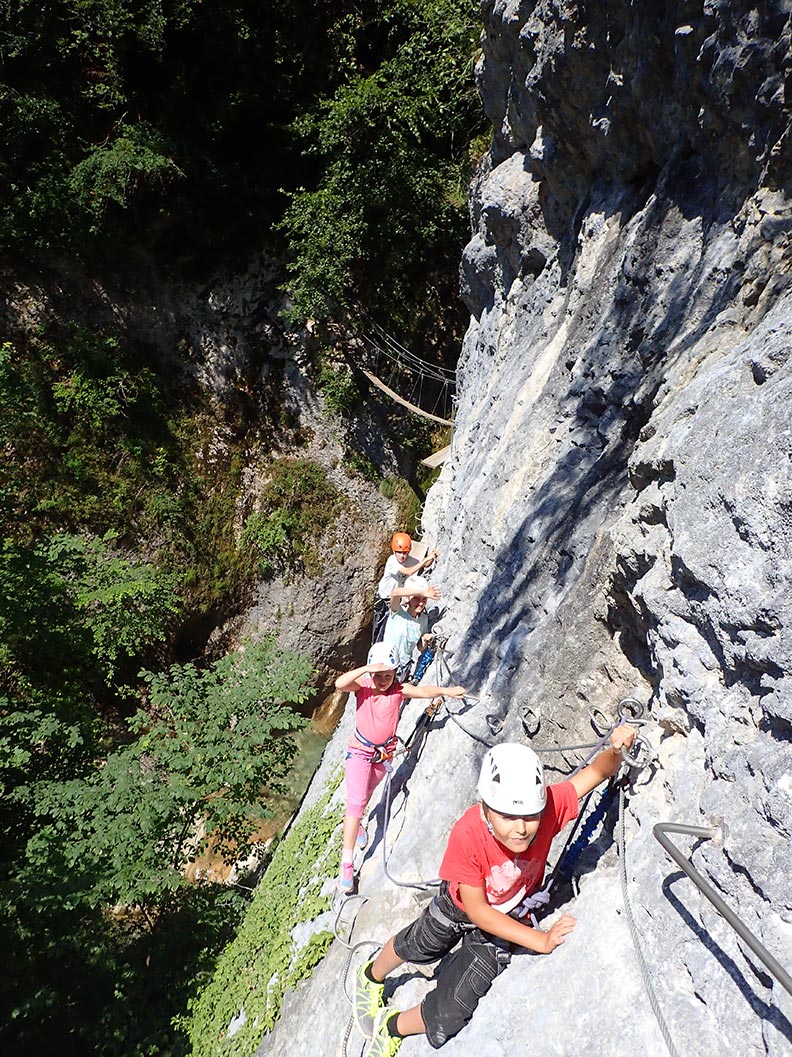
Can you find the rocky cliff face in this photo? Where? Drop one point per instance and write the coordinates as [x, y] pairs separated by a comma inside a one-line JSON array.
[[615, 515]]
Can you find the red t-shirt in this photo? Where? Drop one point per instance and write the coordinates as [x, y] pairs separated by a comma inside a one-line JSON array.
[[376, 715], [474, 857]]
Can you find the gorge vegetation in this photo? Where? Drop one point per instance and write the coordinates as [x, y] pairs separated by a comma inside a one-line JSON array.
[[185, 136]]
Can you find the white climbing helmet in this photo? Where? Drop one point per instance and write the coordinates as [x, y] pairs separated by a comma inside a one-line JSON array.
[[416, 583], [382, 653], [511, 780]]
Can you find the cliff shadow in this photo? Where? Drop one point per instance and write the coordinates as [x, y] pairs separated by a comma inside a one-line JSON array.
[[764, 1010], [654, 318]]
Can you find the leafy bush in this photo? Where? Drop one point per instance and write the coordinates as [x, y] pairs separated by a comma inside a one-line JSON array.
[[407, 503], [338, 386], [124, 606], [295, 508], [113, 172], [131, 119], [204, 750], [97, 441]]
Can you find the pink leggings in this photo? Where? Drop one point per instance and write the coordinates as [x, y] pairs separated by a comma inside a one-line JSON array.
[[362, 776]]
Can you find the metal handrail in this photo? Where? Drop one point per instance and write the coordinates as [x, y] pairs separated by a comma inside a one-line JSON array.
[[707, 833]]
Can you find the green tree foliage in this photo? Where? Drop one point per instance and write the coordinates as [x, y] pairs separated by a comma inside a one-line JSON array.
[[126, 121], [113, 172], [120, 118], [174, 127], [338, 386], [199, 758], [73, 617], [206, 748], [124, 606], [83, 431], [96, 440], [388, 212]]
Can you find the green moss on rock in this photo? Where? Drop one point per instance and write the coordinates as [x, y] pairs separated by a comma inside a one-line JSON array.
[[263, 961]]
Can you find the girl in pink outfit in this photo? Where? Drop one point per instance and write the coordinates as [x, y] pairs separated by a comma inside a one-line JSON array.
[[378, 701]]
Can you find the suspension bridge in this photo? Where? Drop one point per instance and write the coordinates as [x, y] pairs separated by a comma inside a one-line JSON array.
[[394, 370], [431, 387]]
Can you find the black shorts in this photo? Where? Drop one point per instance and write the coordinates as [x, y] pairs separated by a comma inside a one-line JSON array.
[[464, 977]]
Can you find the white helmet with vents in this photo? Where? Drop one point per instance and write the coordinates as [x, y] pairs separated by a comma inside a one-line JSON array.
[[416, 583], [383, 655], [511, 780]]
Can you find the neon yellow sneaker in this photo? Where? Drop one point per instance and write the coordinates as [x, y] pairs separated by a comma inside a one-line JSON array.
[[368, 1001], [383, 1043]]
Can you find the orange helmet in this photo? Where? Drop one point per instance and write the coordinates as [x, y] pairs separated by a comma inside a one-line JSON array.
[[401, 543]]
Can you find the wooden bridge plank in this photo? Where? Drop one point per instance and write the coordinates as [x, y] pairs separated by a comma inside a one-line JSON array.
[[404, 403]]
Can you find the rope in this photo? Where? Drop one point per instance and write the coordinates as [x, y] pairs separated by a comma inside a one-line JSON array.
[[634, 934], [400, 353], [425, 659], [347, 901], [594, 745], [386, 820], [574, 846], [470, 733], [347, 1034], [351, 948], [541, 898], [401, 362]]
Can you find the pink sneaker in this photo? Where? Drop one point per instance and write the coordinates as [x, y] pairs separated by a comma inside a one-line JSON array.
[[346, 878], [362, 838]]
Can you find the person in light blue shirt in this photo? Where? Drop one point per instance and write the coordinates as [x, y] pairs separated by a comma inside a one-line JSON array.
[[407, 622]]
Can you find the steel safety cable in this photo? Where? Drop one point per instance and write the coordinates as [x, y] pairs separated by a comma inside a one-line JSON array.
[[642, 965]]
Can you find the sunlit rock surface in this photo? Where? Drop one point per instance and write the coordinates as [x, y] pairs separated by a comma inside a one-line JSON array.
[[616, 517]]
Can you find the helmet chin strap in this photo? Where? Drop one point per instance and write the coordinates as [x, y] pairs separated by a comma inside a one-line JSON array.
[[485, 816]]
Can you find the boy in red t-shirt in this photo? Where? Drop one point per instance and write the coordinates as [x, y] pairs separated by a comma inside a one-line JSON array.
[[378, 700], [495, 859]]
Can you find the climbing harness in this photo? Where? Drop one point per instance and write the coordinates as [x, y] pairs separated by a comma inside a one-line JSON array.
[[380, 751]]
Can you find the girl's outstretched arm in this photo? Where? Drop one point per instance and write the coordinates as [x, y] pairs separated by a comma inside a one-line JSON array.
[[409, 690]]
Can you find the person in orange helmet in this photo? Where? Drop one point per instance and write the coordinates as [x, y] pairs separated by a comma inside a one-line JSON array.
[[398, 567]]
